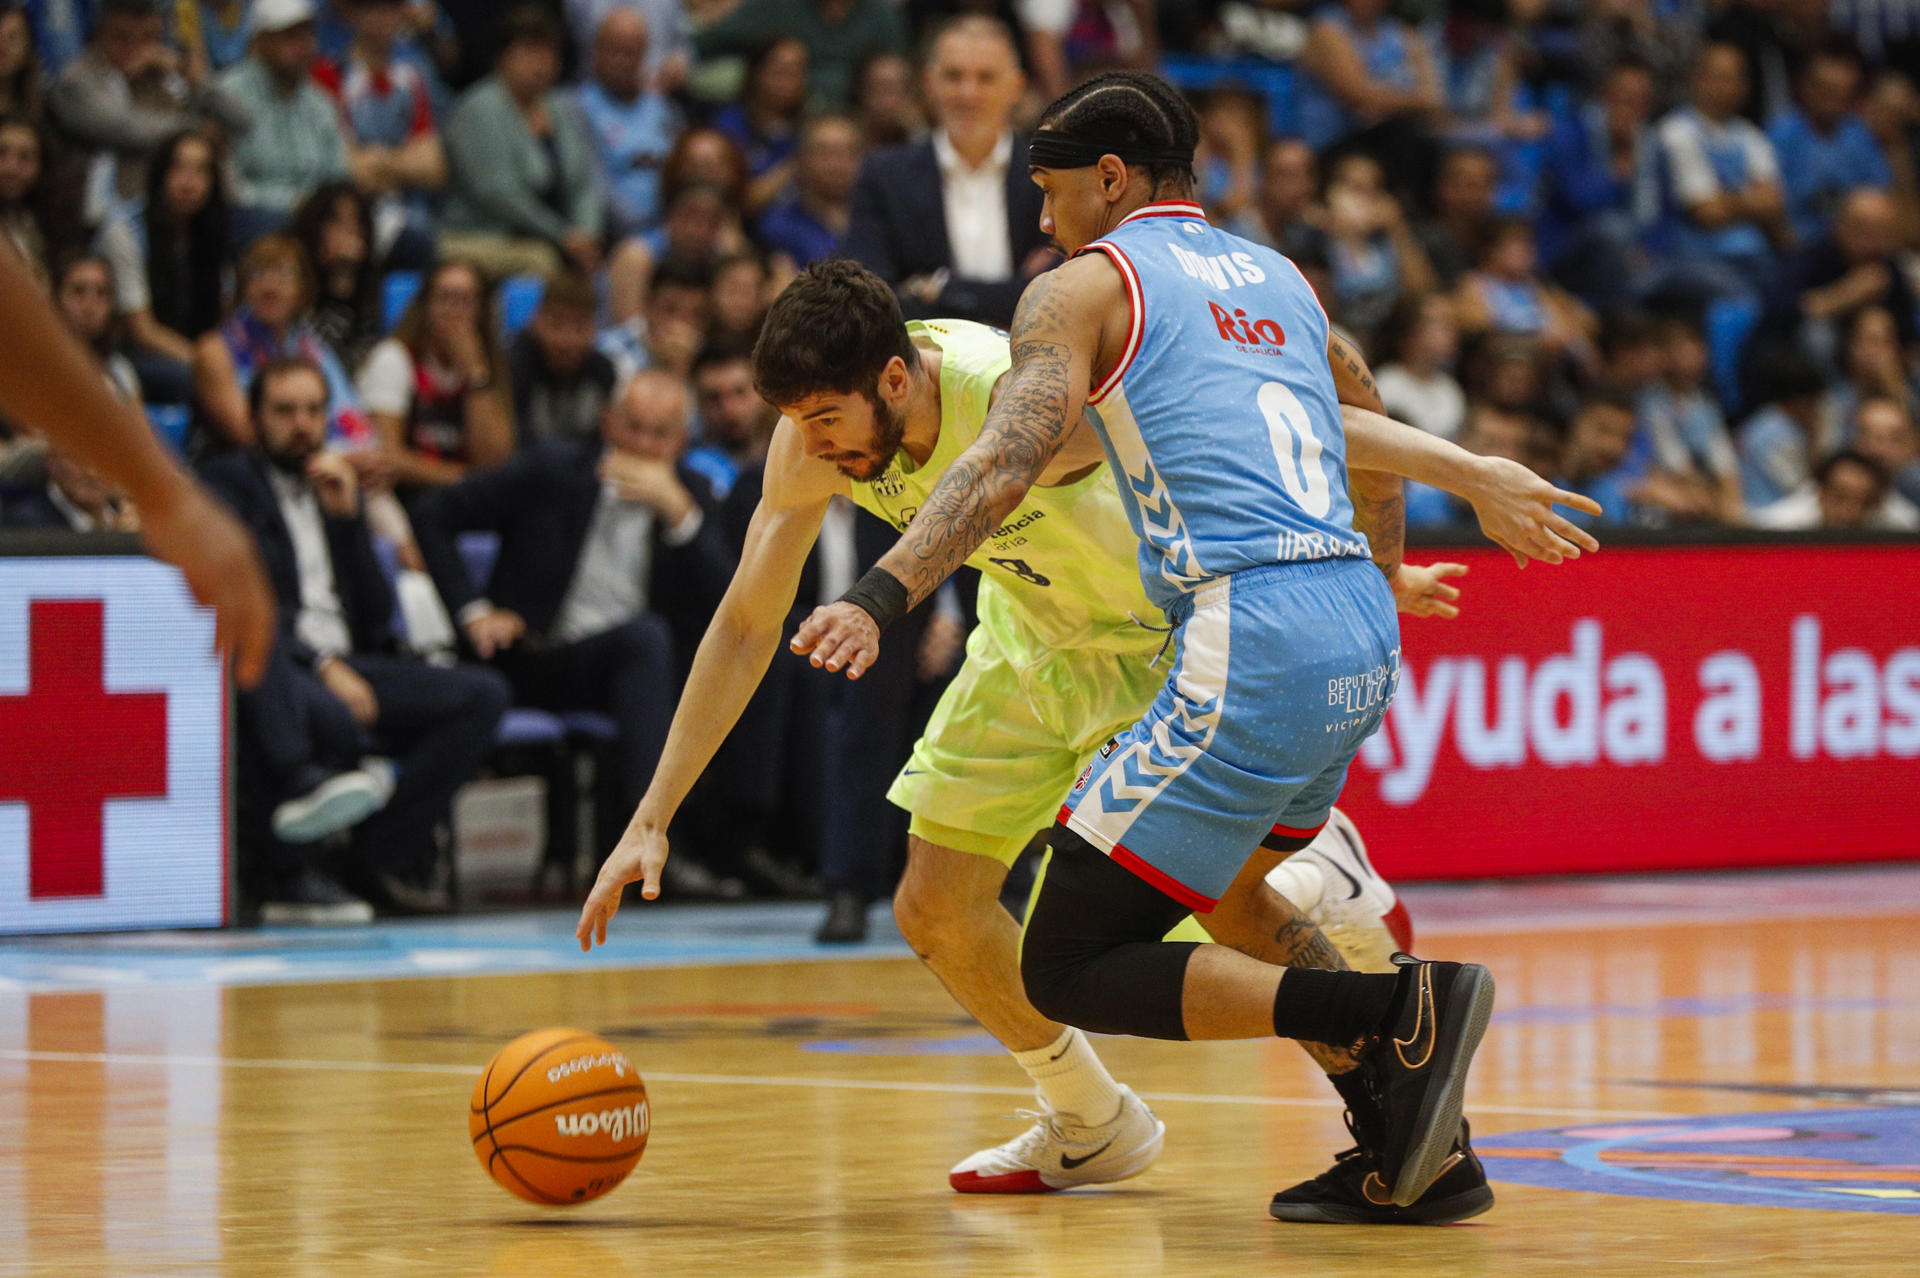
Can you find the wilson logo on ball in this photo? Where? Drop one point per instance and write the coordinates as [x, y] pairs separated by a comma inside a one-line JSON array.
[[620, 1123]]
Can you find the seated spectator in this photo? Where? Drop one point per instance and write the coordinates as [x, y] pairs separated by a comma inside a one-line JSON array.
[[1594, 460], [1232, 137], [126, 96], [1597, 160], [765, 122], [1422, 342], [334, 691], [669, 53], [1696, 471], [1480, 52], [1285, 218], [1873, 365], [807, 224], [172, 259], [394, 152], [1372, 255], [1848, 492], [672, 326], [521, 191], [561, 384], [1724, 209], [953, 222], [707, 155], [1828, 147], [611, 563], [83, 297], [70, 497], [884, 104], [437, 389], [291, 143], [1776, 443], [1463, 212], [1489, 432], [1853, 266], [211, 35], [735, 423], [20, 89], [1890, 109], [1664, 40], [836, 33], [1509, 373], [1368, 73], [742, 290], [1506, 294], [334, 226], [1884, 430], [273, 320], [22, 221], [633, 126]]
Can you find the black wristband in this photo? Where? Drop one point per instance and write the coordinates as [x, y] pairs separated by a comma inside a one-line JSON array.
[[880, 595]]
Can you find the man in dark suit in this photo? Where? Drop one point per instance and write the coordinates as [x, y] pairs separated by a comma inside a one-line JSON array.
[[59, 492], [611, 563], [953, 221], [335, 690]]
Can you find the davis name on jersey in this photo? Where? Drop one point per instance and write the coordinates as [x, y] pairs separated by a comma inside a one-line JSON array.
[[1220, 420]]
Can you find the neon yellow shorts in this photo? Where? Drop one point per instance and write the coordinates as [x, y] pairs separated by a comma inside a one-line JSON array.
[[1006, 743]]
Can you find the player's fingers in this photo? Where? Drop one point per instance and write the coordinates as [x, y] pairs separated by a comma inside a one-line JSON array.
[[1572, 532], [1519, 557], [1446, 610], [650, 877], [809, 632], [1443, 591], [1444, 570], [1561, 497], [835, 650]]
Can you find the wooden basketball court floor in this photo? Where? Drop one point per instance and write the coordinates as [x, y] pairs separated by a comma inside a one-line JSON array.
[[1697, 1075]]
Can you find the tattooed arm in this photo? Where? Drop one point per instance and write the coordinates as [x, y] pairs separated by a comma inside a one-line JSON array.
[[1379, 504], [1055, 339]]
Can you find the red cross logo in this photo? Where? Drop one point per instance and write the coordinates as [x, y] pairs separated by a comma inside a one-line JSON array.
[[69, 745]]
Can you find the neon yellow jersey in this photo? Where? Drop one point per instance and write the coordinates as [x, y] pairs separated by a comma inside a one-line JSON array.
[[1061, 572]]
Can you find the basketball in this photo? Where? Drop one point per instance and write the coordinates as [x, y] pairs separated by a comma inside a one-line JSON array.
[[559, 1117]]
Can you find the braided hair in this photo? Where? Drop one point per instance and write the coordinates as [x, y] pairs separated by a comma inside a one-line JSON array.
[[1131, 106]]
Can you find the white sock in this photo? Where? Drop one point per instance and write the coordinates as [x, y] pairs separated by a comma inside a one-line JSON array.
[[1071, 1080]]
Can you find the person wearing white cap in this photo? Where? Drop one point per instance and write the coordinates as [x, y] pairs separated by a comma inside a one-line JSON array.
[[292, 142]]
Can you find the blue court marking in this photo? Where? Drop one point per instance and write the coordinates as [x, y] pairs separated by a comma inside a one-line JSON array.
[[471, 945], [1837, 1160]]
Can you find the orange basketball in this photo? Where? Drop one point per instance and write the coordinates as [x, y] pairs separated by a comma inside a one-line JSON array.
[[559, 1116]]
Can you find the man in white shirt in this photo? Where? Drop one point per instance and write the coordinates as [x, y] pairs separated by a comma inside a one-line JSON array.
[[335, 693], [953, 222]]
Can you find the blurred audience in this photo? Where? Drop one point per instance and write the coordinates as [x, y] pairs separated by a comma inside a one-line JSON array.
[[334, 227], [735, 424], [21, 92], [1420, 345], [765, 122], [561, 384], [67, 496], [437, 389], [291, 142], [633, 125], [1826, 146], [522, 193], [23, 219], [953, 222], [84, 298], [807, 224], [835, 33]]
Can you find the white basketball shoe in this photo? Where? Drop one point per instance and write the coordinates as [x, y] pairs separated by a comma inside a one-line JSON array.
[[1333, 883], [1054, 1155]]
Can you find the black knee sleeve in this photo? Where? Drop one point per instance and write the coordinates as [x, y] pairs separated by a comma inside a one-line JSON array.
[[1092, 956]]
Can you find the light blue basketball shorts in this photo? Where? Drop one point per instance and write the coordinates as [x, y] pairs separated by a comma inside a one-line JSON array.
[[1279, 674]]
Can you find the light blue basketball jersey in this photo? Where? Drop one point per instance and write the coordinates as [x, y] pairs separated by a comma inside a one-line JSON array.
[[1220, 421]]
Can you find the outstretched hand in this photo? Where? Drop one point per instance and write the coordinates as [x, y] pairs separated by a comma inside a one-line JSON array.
[[1516, 512], [640, 856], [1421, 590], [839, 635]]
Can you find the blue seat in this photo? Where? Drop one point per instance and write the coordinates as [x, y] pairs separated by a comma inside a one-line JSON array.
[[170, 422], [519, 299], [396, 294], [1729, 323], [521, 726], [591, 725], [478, 550]]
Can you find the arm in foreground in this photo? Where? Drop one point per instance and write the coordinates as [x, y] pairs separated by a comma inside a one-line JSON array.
[[1056, 335], [49, 384], [732, 659]]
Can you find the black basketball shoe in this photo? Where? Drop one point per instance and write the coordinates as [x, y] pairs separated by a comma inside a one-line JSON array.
[[1418, 1069], [1352, 1191]]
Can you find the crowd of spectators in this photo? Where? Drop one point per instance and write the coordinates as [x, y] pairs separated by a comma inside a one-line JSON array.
[[454, 303]]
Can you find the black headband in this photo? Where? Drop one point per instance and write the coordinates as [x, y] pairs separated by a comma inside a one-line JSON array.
[[1051, 149]]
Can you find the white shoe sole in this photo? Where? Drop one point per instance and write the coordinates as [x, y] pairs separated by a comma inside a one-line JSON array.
[[340, 804]]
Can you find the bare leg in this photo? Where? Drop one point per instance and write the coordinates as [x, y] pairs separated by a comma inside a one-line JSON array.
[[1257, 921], [948, 907]]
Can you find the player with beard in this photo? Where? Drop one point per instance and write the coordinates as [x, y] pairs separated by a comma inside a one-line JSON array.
[[1063, 658]]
